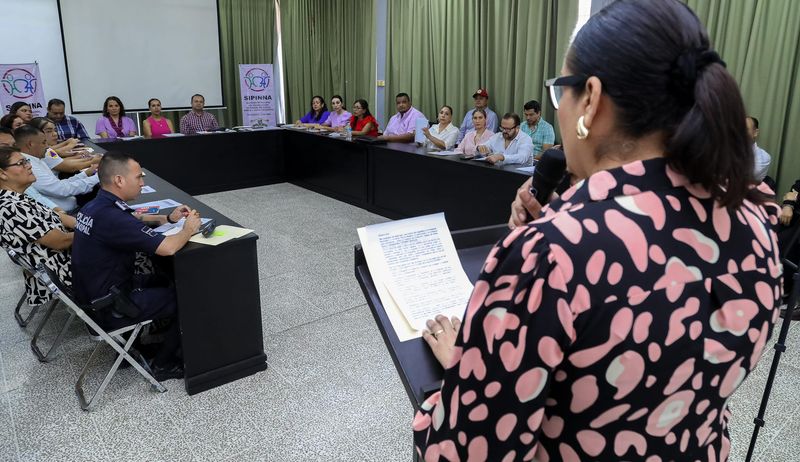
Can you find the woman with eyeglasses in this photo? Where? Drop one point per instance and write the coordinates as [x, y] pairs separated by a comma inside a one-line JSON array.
[[35, 232], [617, 325], [337, 118], [362, 122]]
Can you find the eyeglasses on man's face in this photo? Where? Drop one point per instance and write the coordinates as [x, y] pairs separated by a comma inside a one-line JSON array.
[[556, 86]]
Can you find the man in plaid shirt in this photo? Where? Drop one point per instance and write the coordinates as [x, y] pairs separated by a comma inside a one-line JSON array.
[[538, 129], [66, 126], [197, 119]]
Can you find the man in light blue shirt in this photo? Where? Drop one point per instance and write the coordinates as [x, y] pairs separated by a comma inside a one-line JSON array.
[[540, 131], [481, 98], [510, 145]]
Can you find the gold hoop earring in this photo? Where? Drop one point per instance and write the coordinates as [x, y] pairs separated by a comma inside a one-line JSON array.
[[581, 129]]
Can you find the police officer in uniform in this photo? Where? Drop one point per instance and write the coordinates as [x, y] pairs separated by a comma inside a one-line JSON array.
[[108, 236]]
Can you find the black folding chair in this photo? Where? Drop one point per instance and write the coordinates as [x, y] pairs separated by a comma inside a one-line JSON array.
[[113, 338], [51, 306]]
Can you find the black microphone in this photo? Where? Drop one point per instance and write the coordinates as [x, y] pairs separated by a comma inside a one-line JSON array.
[[547, 174]]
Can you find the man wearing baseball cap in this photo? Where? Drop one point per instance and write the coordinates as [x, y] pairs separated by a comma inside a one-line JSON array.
[[481, 98]]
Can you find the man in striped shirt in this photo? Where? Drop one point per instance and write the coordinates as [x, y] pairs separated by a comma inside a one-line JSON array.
[[198, 120]]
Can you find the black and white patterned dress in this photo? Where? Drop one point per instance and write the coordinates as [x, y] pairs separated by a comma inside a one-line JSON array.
[[23, 221]]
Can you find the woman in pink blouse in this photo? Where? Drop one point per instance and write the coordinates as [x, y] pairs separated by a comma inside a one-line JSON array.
[[156, 126], [479, 135]]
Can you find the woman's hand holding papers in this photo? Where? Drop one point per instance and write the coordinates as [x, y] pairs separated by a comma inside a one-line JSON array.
[[441, 337]]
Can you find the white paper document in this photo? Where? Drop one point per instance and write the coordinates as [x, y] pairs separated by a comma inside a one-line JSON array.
[[131, 138], [419, 124], [147, 189], [168, 229], [162, 204], [173, 135], [416, 270], [442, 153]]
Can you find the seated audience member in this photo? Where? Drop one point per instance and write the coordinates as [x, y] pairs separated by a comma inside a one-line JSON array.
[[7, 140], [481, 99], [362, 123], [23, 110], [478, 135], [107, 239], [786, 229], [762, 157], [53, 155], [198, 120], [114, 123], [442, 135], [6, 137], [33, 144], [540, 131], [11, 121], [156, 126], [318, 113], [338, 117], [402, 125], [510, 146], [34, 231], [68, 127]]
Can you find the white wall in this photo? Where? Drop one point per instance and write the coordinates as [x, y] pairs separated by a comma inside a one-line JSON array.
[[33, 33]]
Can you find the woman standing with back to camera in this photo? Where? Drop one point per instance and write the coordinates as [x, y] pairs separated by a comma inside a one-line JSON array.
[[617, 326]]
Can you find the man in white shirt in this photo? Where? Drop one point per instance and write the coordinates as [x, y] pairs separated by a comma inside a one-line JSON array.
[[509, 145], [762, 157], [33, 144]]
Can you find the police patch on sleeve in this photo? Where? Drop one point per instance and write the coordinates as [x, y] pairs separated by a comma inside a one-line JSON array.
[[149, 231]]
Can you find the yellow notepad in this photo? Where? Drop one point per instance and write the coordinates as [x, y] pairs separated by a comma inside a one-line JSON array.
[[223, 233]]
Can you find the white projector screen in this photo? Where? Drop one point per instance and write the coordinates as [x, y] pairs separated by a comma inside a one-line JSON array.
[[137, 50]]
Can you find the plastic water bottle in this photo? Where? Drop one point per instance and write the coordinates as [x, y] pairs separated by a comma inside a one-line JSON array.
[[348, 133]]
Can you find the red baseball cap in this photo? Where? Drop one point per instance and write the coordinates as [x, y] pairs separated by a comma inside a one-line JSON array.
[[481, 92]]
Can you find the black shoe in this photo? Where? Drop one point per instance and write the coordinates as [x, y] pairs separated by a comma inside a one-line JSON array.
[[172, 371]]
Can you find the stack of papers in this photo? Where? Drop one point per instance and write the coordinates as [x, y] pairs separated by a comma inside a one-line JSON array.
[[168, 229], [162, 204], [416, 271]]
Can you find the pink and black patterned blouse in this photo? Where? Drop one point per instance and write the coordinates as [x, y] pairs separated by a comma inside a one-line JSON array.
[[616, 327]]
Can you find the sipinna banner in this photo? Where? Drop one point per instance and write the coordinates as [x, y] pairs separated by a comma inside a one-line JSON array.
[[258, 94], [21, 82]]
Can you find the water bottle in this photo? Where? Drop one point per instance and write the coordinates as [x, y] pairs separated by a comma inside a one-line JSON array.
[[348, 133]]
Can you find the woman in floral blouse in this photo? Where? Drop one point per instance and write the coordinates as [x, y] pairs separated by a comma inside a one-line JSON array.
[[618, 324], [28, 227]]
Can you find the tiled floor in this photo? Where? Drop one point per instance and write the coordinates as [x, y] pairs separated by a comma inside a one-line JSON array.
[[330, 393]]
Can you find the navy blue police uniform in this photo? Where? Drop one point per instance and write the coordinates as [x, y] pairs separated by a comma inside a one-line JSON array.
[[107, 238]]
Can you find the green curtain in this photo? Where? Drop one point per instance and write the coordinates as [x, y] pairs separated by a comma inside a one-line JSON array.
[[758, 39], [441, 51], [328, 48]]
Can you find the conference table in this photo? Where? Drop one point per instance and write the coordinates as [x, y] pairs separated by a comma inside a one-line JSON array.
[[219, 303], [217, 287], [395, 180]]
